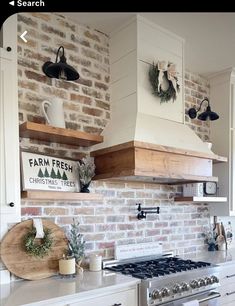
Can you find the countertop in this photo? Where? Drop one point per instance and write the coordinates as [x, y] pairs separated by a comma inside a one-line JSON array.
[[57, 289], [214, 257]]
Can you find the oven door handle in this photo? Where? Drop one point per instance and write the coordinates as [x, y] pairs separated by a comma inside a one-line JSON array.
[[211, 296]]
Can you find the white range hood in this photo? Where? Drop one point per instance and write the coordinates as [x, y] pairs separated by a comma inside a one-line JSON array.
[[136, 114], [138, 119]]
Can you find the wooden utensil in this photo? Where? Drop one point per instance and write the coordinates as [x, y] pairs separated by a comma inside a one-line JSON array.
[[223, 233], [220, 238], [217, 230], [26, 266]]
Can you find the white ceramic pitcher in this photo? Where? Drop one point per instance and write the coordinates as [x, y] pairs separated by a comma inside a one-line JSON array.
[[53, 112]]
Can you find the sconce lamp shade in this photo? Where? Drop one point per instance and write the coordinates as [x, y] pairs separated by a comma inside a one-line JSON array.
[[208, 114], [60, 70]]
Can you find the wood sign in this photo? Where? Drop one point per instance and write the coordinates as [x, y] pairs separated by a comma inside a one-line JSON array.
[[137, 250], [41, 172]]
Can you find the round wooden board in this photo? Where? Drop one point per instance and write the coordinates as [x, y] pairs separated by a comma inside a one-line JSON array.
[[30, 267]]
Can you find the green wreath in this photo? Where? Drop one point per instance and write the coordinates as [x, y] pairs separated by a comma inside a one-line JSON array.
[[38, 249], [164, 95]]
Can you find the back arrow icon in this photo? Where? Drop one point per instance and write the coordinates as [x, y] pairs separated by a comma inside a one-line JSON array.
[[22, 36]]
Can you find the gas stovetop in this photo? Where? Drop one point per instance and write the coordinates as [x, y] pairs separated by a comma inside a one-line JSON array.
[[157, 267], [165, 279]]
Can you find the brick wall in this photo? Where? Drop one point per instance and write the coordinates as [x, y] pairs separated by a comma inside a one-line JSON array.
[[87, 107], [86, 101], [113, 219]]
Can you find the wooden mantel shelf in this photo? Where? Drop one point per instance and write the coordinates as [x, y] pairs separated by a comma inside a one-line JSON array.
[[59, 196], [201, 199], [59, 135]]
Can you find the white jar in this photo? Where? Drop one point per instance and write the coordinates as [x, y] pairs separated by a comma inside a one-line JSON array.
[[67, 266], [95, 263]]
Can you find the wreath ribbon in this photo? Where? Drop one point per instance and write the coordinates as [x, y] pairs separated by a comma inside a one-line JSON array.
[[37, 223], [161, 67], [171, 75]]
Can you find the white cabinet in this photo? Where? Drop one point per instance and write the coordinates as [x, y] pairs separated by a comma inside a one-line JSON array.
[[9, 152], [127, 296], [227, 281], [9, 130], [222, 98], [123, 298]]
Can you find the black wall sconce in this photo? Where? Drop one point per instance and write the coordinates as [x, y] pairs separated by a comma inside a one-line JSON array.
[[147, 210], [207, 114], [60, 70]]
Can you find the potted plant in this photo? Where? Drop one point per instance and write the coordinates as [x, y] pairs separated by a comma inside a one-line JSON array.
[[76, 245], [86, 170], [210, 239]]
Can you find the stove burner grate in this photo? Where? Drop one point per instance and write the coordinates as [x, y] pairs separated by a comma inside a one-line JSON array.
[[157, 267]]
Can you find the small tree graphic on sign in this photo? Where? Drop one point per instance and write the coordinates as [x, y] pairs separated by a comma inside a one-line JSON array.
[[40, 174], [53, 175], [64, 177], [58, 175], [46, 174]]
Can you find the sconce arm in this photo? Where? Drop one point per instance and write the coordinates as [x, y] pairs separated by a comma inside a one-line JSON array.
[[205, 99], [57, 54]]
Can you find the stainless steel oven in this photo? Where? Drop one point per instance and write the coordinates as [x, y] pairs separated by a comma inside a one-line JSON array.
[[171, 281], [209, 298]]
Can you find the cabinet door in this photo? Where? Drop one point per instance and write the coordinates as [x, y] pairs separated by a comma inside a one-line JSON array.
[[227, 281], [232, 174], [232, 146], [9, 149], [222, 88], [228, 293], [124, 298], [9, 126], [232, 98]]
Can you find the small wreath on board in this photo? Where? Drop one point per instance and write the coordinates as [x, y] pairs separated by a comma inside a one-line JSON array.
[[38, 249], [160, 75]]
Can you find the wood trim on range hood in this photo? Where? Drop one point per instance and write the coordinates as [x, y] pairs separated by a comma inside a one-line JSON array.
[[145, 162]]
